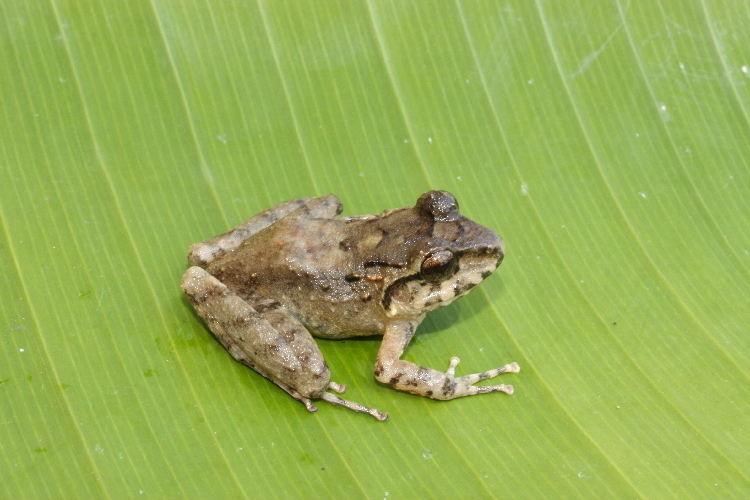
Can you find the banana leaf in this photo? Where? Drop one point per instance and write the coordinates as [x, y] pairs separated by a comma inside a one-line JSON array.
[[605, 141]]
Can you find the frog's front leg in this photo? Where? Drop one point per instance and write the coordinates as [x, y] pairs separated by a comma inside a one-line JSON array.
[[259, 333], [409, 377]]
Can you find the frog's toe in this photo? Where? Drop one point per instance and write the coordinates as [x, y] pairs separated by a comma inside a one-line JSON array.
[[512, 367], [340, 388], [476, 377], [506, 388], [335, 400], [465, 384], [308, 404], [509, 368]]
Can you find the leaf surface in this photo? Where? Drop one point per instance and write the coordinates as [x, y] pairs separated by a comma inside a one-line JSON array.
[[605, 141]]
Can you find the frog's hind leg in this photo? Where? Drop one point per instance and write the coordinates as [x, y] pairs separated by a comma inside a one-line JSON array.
[[203, 253], [260, 333], [297, 336], [278, 353]]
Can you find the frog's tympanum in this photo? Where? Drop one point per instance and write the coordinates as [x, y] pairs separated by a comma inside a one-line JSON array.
[[299, 269]]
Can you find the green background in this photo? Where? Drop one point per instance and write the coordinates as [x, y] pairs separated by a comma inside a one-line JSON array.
[[608, 142]]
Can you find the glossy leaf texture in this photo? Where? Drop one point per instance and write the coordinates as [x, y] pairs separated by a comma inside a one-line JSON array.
[[606, 141]]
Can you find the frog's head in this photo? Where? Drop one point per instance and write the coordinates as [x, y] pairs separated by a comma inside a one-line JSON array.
[[448, 255]]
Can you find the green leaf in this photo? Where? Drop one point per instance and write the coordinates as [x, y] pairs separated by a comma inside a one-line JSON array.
[[606, 141]]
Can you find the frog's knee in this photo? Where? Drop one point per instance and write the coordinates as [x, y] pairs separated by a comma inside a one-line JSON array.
[[325, 207], [193, 280], [196, 282], [202, 254], [382, 373], [314, 384]]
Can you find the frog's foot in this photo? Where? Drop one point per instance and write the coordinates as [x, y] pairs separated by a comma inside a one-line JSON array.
[[335, 400], [296, 395], [465, 385]]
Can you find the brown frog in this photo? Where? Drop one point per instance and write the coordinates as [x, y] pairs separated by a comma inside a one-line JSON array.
[[299, 268]]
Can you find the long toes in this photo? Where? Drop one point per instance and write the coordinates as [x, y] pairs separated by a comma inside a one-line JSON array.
[[308, 404], [476, 377], [509, 368], [333, 399], [506, 388], [451, 371]]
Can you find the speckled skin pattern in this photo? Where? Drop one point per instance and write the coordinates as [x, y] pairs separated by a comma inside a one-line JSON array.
[[300, 269]]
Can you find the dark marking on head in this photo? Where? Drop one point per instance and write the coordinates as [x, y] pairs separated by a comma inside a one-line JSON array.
[[485, 274], [381, 263], [461, 231], [345, 245], [428, 393], [350, 278], [378, 369], [452, 231]]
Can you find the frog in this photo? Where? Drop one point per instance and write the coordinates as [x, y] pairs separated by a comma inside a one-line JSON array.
[[299, 271]]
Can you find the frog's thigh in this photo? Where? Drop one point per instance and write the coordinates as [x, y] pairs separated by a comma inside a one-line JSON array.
[[202, 254], [284, 352], [294, 333]]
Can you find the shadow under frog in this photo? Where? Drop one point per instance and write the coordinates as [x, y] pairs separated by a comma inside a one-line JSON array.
[[299, 270]]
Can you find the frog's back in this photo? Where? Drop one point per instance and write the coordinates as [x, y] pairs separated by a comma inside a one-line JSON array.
[[299, 263]]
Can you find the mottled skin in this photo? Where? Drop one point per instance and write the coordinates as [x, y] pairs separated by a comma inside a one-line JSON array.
[[299, 268]]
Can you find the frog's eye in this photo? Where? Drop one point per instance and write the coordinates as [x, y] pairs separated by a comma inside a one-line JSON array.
[[438, 266]]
